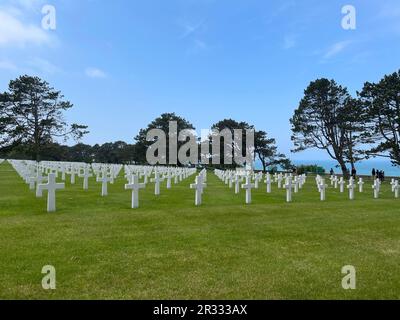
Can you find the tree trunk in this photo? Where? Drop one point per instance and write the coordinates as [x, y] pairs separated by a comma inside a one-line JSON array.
[[344, 169], [264, 164]]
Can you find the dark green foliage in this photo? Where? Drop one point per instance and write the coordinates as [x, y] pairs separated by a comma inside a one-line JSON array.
[[161, 123], [324, 120], [381, 103], [267, 152], [310, 169], [225, 146], [32, 116]]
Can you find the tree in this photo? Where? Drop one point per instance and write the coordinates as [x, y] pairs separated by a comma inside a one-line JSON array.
[[162, 123], [320, 122], [224, 129], [267, 151], [382, 106], [81, 153], [352, 118], [114, 152], [31, 113]]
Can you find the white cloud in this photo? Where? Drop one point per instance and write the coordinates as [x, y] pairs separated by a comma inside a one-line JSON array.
[[14, 32], [336, 48], [95, 73]]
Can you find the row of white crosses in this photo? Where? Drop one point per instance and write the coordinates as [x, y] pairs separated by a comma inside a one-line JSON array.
[[32, 173], [351, 186], [134, 173], [235, 178], [293, 184], [160, 174], [198, 186]]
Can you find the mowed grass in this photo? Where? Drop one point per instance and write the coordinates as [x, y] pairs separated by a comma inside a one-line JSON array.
[[170, 249]]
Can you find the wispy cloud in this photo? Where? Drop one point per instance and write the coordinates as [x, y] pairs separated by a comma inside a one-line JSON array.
[[336, 48], [14, 32], [193, 33], [95, 73], [191, 28], [289, 42]]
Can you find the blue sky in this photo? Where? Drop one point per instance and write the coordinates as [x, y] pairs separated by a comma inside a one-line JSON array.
[[123, 63]]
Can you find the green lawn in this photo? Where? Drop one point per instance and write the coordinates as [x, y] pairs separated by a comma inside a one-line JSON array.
[[169, 249]]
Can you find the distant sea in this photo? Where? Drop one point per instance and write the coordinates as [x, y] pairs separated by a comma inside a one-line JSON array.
[[363, 168]]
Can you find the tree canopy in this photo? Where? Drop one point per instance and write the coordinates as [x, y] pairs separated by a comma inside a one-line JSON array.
[[161, 123], [32, 113], [381, 102], [322, 121]]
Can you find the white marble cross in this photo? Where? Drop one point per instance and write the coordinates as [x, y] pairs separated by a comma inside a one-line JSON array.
[[38, 179], [392, 183], [257, 178], [361, 185], [63, 173], [268, 182], [341, 184], [31, 181], [288, 187], [157, 180], [169, 177], [376, 186], [280, 179], [237, 180], [135, 186], [226, 177], [396, 188], [198, 186], [231, 178], [51, 186], [335, 182], [351, 188], [73, 173], [296, 184], [104, 181], [176, 178], [322, 189], [248, 186], [86, 175]]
